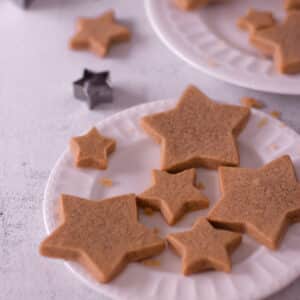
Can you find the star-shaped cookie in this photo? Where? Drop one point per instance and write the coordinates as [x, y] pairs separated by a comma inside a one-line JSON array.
[[204, 247], [256, 20], [99, 34], [173, 194], [261, 202], [104, 236], [197, 132], [92, 149], [292, 4], [282, 42]]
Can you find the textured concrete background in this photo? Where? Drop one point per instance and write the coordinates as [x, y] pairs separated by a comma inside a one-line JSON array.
[[38, 115]]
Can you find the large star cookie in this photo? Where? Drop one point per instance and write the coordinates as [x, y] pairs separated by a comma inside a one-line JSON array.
[[261, 202], [103, 236], [256, 20], [99, 34], [173, 194], [282, 42], [204, 247], [292, 4], [91, 150], [197, 132]]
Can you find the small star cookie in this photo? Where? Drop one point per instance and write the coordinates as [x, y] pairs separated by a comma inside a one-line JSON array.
[[103, 236], [91, 150], [197, 132], [292, 4], [256, 20], [282, 42], [204, 247], [173, 194], [99, 34], [262, 202]]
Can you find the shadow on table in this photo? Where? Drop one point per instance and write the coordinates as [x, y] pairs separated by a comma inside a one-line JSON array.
[[123, 98]]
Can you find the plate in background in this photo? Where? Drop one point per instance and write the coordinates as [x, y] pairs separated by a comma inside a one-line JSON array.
[[210, 41]]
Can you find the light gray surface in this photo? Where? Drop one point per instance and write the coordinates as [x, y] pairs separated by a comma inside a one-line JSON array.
[[38, 115]]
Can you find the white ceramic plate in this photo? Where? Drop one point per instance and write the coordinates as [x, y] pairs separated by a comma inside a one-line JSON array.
[[209, 40], [257, 272]]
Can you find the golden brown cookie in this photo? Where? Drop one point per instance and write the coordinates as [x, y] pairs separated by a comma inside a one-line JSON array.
[[173, 194], [103, 236], [256, 20], [204, 247], [99, 34], [282, 42], [292, 4], [261, 202], [91, 150], [197, 132]]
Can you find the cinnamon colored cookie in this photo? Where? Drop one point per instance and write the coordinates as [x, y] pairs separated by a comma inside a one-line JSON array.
[[261, 202], [197, 132], [256, 20], [292, 4], [103, 236], [173, 194], [282, 42], [99, 34], [204, 247], [91, 150]]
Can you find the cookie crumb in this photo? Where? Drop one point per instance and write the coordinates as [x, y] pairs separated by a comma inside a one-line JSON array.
[[200, 185], [251, 103], [275, 114], [131, 130], [212, 63], [151, 263], [106, 182], [148, 211], [273, 146], [263, 122], [156, 230]]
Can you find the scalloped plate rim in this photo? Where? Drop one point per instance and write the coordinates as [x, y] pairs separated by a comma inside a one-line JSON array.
[[264, 292], [221, 73]]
